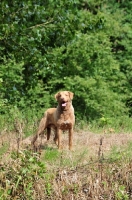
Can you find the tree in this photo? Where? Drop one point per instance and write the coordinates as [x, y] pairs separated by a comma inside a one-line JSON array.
[[46, 46]]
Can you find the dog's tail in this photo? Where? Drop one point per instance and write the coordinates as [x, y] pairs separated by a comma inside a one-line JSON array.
[[41, 128]]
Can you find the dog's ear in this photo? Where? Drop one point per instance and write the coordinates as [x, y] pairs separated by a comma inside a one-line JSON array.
[[71, 95], [57, 95]]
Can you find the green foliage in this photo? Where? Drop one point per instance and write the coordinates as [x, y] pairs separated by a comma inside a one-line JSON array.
[[82, 46], [121, 194], [19, 178]]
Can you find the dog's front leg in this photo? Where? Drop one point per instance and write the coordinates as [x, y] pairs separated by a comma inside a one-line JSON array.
[[56, 137], [59, 138], [70, 138]]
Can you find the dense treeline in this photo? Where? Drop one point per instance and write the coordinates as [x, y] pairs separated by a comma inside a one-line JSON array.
[[84, 46]]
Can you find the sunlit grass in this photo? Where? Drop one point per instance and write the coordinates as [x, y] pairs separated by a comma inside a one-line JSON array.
[[4, 149]]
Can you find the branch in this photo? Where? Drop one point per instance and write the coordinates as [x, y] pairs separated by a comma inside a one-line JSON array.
[[39, 25]]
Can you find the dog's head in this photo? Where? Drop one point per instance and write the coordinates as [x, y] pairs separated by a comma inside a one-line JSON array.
[[64, 97]]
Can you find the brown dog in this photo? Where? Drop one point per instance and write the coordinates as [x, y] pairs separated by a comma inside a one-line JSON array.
[[60, 119]]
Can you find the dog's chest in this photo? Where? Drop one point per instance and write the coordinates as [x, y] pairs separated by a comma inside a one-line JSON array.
[[65, 116], [64, 121], [65, 125]]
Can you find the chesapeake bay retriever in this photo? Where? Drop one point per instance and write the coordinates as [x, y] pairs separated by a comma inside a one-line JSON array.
[[60, 119]]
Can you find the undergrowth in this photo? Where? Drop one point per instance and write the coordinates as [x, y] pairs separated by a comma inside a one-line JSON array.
[[27, 121], [30, 176], [52, 174]]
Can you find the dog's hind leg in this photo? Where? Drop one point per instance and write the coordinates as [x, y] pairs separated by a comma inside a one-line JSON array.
[[42, 126], [49, 133]]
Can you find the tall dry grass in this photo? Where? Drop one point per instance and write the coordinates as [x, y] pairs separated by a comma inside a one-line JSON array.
[[50, 174]]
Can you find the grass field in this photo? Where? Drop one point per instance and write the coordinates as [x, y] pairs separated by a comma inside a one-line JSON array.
[[99, 167]]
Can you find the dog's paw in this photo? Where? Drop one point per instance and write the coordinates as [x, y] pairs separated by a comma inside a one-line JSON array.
[[60, 147]]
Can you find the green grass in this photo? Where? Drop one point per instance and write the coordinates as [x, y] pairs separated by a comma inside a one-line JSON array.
[[120, 154], [4, 149], [63, 158], [51, 155]]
